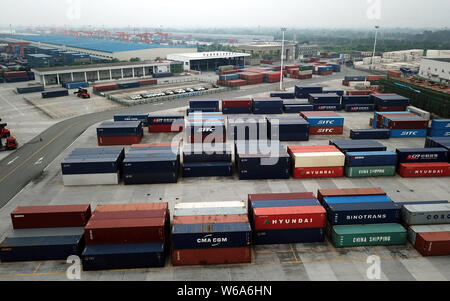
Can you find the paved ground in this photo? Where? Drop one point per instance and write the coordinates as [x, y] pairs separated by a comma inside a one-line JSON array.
[[318, 261]]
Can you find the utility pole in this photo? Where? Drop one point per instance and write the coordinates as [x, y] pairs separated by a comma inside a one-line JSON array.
[[375, 45], [283, 30]]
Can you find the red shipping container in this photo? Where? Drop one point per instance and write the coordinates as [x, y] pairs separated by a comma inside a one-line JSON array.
[[123, 140], [129, 214], [165, 128], [118, 231], [212, 256], [359, 92], [349, 192], [394, 73], [417, 170], [408, 124], [324, 130], [209, 138], [132, 207], [391, 109], [433, 243], [24, 217], [277, 218], [237, 82], [318, 172], [108, 87], [280, 196], [147, 82], [305, 76], [16, 74], [210, 219], [236, 103], [374, 77]]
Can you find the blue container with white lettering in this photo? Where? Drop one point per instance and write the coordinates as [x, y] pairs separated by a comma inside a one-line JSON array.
[[268, 237], [326, 121], [417, 133], [359, 108], [355, 199], [327, 107], [384, 158], [132, 117], [439, 133], [205, 236], [422, 155], [440, 124], [363, 213]]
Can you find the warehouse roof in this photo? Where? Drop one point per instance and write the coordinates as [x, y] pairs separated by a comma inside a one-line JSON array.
[[39, 55], [99, 66], [91, 44], [444, 60]]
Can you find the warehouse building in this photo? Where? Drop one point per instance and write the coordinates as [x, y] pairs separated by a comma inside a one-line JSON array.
[[435, 69], [270, 51], [103, 49], [308, 50], [99, 72], [209, 61]]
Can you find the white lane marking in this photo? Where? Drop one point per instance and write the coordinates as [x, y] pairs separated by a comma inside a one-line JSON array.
[[39, 161], [12, 161], [15, 108]]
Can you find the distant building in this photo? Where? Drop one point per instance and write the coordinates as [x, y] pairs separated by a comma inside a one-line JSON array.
[[438, 54], [270, 51], [435, 69], [103, 49], [39, 60], [208, 61], [307, 50]]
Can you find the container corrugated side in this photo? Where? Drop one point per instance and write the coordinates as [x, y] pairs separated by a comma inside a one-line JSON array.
[[426, 214], [322, 159], [368, 235]]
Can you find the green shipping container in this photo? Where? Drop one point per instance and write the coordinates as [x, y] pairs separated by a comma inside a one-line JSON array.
[[369, 171], [305, 67], [368, 235]]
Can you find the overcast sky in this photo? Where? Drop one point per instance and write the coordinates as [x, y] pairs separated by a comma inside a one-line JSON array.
[[227, 13]]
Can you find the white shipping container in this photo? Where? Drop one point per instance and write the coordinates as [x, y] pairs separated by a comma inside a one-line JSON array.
[[209, 211], [305, 72], [353, 84], [322, 159], [413, 230], [91, 179], [162, 69], [236, 204], [424, 114], [426, 214]]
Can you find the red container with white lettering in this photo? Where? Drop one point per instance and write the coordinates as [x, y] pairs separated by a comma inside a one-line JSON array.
[[418, 170], [318, 172], [211, 256], [326, 130], [433, 243], [122, 140], [277, 218], [165, 128]]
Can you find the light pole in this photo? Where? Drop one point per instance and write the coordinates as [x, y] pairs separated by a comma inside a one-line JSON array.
[[375, 45], [283, 30]]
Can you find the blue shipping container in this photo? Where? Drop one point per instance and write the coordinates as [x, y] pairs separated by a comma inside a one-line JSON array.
[[363, 213], [325, 121], [208, 169], [439, 133], [353, 159], [355, 199], [268, 237], [422, 155], [370, 134], [440, 124]]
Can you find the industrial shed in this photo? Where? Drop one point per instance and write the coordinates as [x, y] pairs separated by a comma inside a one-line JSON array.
[[209, 61], [104, 49]]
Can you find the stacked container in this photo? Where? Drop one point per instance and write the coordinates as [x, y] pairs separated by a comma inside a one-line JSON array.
[[318, 161], [370, 164], [288, 129], [199, 104], [358, 145], [132, 117], [284, 218], [283, 95], [402, 126], [126, 236], [254, 128], [205, 128], [210, 233], [324, 123], [362, 217], [439, 128], [296, 106], [358, 103], [201, 160], [151, 164], [93, 166], [45, 233], [325, 102], [272, 105], [423, 162], [438, 142], [165, 123], [428, 226], [304, 91], [237, 106], [257, 160], [252, 78], [390, 102], [119, 133], [272, 77], [354, 80], [370, 134]]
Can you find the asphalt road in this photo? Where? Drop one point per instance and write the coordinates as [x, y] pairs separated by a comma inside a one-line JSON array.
[[29, 161]]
